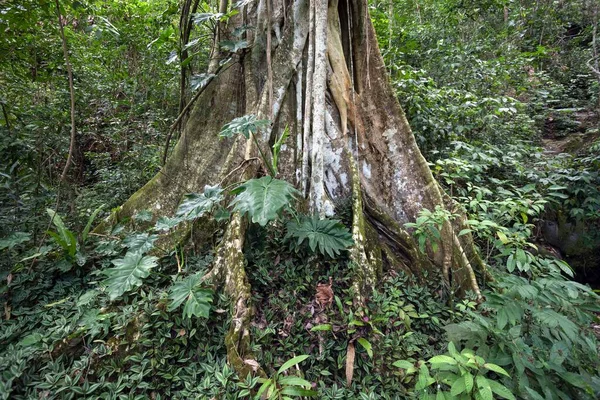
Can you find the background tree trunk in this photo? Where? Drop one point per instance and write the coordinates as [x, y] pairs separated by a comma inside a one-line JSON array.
[[349, 139]]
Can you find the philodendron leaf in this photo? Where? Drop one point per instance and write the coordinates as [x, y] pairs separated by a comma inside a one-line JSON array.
[[244, 125], [140, 242], [263, 198], [128, 273], [197, 299], [196, 205], [330, 236]]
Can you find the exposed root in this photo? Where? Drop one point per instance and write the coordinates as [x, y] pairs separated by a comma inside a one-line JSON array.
[[229, 268]]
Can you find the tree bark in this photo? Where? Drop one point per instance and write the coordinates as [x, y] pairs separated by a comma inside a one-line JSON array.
[[351, 140]]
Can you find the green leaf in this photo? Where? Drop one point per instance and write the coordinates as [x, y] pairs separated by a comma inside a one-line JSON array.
[[483, 387], [88, 226], [197, 299], [322, 327], [330, 236], [31, 339], [244, 125], [501, 390], [366, 345], [143, 216], [496, 368], [166, 223], [294, 381], [290, 363], [263, 198], [458, 387], [442, 359], [127, 273], [296, 391], [196, 205], [15, 239], [468, 382], [277, 147], [403, 364], [140, 242]]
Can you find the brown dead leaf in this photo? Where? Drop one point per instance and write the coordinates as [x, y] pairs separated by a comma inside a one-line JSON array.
[[350, 363], [253, 364], [181, 333], [324, 296]]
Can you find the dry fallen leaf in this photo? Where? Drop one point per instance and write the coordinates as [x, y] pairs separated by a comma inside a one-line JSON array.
[[253, 364], [350, 363], [324, 296]]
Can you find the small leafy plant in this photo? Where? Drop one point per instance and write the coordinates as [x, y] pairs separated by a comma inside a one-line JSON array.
[[280, 386], [457, 375]]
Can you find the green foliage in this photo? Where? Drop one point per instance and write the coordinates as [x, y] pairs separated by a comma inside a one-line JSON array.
[[328, 235], [127, 273], [458, 376], [283, 387], [428, 226], [196, 205], [63, 236], [246, 125], [263, 199], [197, 299]]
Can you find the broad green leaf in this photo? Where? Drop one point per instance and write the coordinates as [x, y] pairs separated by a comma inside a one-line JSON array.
[[14, 239], [244, 125], [330, 236], [294, 381], [196, 205], [468, 378], [442, 359], [143, 216], [496, 368], [31, 339], [290, 363], [197, 299], [403, 364], [366, 345], [458, 387], [322, 327], [127, 273], [140, 242], [166, 223], [483, 387], [263, 199], [298, 392], [501, 390]]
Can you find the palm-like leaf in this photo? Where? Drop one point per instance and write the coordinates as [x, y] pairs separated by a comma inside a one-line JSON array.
[[263, 198], [197, 299], [330, 236], [128, 273]]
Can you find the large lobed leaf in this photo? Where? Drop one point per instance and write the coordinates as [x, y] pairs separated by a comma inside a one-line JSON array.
[[330, 236], [128, 273], [244, 125], [197, 299], [196, 205], [263, 198]]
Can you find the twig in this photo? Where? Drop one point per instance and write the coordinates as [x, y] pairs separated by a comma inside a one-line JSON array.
[[71, 91], [238, 168]]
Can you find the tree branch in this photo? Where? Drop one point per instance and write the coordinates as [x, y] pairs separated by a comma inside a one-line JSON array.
[[71, 91]]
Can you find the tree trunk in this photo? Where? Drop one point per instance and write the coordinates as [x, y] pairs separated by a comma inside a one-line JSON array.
[[349, 139]]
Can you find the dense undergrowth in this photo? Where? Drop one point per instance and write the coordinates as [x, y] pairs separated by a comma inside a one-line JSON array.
[[482, 85]]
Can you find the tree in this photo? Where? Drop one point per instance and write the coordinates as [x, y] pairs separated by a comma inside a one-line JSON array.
[[312, 67]]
